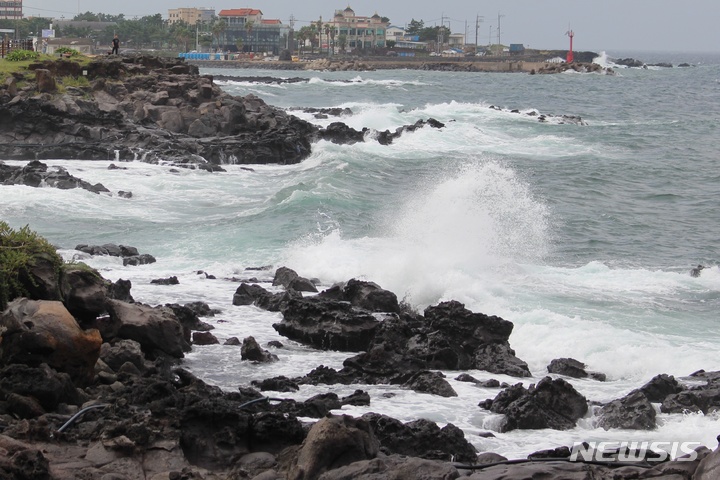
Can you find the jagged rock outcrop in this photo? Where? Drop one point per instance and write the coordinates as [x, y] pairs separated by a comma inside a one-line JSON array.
[[156, 329], [699, 398], [362, 294], [573, 368], [36, 174], [549, 404], [327, 324], [148, 108], [290, 279], [634, 412], [421, 438]]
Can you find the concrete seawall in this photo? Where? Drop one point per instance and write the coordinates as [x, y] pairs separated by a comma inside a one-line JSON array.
[[451, 65]]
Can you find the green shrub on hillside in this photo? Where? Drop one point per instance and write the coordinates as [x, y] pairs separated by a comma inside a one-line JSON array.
[[66, 50], [18, 249], [22, 55]]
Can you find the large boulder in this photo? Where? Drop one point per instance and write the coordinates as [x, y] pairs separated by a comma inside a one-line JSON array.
[[289, 279], [42, 279], [362, 294], [333, 442], [430, 382], [253, 294], [85, 292], [156, 329], [251, 350], [421, 438], [709, 467], [573, 368], [660, 387], [35, 332], [634, 411], [459, 339], [698, 398], [45, 81], [327, 324], [549, 404]]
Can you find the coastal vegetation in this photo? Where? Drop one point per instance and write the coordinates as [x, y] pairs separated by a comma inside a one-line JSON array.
[[18, 252]]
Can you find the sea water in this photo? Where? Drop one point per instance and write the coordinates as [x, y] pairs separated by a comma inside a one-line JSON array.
[[582, 236]]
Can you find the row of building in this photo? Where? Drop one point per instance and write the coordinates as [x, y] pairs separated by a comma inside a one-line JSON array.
[[268, 35], [11, 9], [345, 31]]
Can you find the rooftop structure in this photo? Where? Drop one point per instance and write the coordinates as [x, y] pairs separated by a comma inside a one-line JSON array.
[[191, 16], [358, 31]]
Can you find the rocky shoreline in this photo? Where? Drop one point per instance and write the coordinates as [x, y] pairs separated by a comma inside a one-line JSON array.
[[92, 387], [92, 384], [155, 110], [162, 110]]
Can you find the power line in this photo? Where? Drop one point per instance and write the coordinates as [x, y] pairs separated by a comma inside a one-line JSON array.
[[27, 7]]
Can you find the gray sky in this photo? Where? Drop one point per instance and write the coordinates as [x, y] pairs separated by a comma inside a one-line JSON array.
[[609, 25]]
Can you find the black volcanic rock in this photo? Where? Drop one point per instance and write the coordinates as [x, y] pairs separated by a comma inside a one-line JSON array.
[[36, 173], [634, 411], [573, 368], [152, 108], [549, 404], [421, 438]]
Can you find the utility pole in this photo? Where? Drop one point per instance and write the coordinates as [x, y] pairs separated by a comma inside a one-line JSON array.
[[498, 33], [478, 21], [441, 31], [490, 39], [291, 42]]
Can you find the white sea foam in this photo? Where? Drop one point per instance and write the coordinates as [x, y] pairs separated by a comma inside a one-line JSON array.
[[466, 213]]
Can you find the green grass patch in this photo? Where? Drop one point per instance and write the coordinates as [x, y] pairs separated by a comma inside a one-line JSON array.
[[77, 82]]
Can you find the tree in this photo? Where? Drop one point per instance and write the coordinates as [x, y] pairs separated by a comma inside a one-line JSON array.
[[313, 37], [415, 27], [249, 29], [329, 30], [181, 34], [432, 33], [319, 29], [342, 42], [303, 35], [239, 44], [218, 29]]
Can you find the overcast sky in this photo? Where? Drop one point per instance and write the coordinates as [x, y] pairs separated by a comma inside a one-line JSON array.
[[599, 25]]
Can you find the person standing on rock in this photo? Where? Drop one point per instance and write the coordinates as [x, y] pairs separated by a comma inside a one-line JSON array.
[[115, 45]]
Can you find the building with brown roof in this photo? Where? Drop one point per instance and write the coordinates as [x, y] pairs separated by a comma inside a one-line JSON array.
[[257, 35]]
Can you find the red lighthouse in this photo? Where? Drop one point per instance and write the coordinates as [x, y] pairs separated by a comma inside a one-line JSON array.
[[570, 34]]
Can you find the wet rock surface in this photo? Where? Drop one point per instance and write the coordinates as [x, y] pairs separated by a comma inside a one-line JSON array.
[[141, 416], [145, 108]]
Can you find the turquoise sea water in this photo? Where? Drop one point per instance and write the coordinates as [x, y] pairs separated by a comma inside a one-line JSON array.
[[582, 236]]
